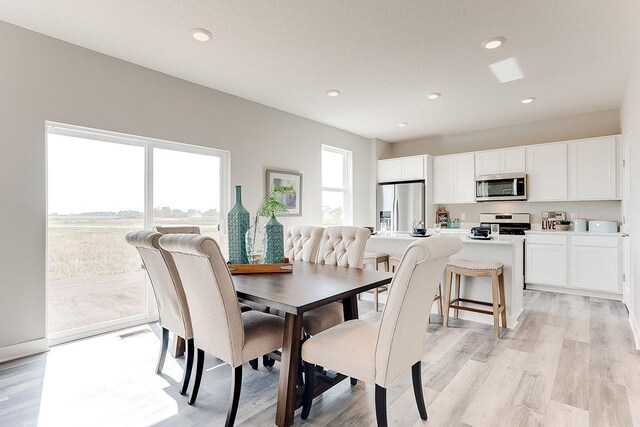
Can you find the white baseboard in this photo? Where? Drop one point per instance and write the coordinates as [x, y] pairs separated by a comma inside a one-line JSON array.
[[572, 291], [24, 349], [635, 329]]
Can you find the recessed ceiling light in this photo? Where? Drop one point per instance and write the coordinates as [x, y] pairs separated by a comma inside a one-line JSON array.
[[528, 100], [434, 95], [493, 42], [402, 125], [201, 34], [333, 92]]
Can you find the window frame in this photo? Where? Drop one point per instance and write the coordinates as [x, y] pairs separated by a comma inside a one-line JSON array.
[[347, 179]]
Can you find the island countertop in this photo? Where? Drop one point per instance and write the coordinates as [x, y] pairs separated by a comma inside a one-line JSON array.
[[461, 233]]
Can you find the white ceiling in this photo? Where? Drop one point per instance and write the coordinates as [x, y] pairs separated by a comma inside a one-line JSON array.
[[384, 55]]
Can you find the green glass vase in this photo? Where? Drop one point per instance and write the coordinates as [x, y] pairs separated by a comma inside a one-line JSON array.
[[238, 222], [273, 241]]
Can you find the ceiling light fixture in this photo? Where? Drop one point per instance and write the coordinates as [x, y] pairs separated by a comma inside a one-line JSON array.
[[528, 100], [333, 93], [402, 125], [201, 34], [493, 42], [434, 95]]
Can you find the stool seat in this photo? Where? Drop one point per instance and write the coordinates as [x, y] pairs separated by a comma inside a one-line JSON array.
[[465, 264], [372, 255]]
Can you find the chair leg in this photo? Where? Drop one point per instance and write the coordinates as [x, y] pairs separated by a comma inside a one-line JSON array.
[[163, 350], [236, 387], [196, 382], [381, 406], [267, 361], [496, 302], [456, 312], [254, 364], [307, 399], [447, 297], [416, 373], [300, 379], [354, 381], [439, 301], [375, 298], [386, 266], [503, 300], [188, 366]]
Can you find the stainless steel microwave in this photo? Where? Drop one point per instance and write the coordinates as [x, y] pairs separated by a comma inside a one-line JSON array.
[[501, 187]]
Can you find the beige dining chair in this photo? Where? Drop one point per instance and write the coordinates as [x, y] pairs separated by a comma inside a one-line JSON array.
[[301, 243], [379, 352], [341, 246], [177, 229], [169, 293], [219, 327]]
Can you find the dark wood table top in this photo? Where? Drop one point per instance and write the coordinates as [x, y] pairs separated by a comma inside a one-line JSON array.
[[308, 287]]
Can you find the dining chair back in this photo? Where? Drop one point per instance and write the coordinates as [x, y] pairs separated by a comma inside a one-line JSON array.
[[343, 246], [301, 243]]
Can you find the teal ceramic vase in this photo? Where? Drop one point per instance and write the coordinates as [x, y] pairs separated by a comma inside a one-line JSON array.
[[238, 222], [273, 242]]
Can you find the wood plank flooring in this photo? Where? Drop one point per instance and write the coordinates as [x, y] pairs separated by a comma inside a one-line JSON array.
[[570, 362]]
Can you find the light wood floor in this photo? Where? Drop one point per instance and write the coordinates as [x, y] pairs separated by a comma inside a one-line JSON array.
[[571, 362]]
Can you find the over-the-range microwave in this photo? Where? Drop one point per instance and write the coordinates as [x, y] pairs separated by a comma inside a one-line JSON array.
[[501, 187]]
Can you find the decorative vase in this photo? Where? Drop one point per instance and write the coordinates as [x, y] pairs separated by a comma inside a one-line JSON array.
[[273, 242], [255, 242], [238, 222]]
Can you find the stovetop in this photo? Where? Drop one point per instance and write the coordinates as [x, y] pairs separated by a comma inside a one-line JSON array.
[[510, 224]]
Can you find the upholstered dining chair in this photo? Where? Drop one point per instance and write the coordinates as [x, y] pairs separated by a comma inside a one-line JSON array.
[[177, 229], [301, 243], [219, 327], [341, 246], [379, 352], [170, 299]]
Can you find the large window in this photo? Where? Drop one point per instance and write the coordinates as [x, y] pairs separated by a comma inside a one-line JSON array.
[[336, 186], [101, 186]]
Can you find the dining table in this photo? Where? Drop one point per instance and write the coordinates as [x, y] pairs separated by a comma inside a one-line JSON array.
[[308, 286]]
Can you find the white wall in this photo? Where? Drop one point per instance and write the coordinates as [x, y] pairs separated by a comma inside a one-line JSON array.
[[46, 79], [630, 122]]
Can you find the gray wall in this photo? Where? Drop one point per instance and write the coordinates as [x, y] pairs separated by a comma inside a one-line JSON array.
[[46, 79]]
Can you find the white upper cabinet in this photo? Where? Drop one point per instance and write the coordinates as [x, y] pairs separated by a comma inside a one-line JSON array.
[[592, 169], [412, 168], [443, 186], [389, 170], [454, 179], [401, 169], [547, 172], [465, 178], [494, 162]]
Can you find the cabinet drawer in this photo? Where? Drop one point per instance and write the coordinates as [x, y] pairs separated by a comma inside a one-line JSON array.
[[546, 239], [597, 241]]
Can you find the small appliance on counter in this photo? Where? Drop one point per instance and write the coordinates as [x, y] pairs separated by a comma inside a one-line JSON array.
[[508, 223], [596, 226], [551, 218], [580, 225]]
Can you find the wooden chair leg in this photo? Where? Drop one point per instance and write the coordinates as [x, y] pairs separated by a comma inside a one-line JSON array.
[[236, 387], [254, 364], [447, 297], [196, 382], [375, 298], [188, 366], [439, 301], [496, 302], [503, 300], [163, 350], [386, 266], [381, 406], [307, 399], [456, 312], [416, 374]]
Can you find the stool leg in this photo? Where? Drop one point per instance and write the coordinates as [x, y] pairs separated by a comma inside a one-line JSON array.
[[456, 311], [496, 309], [439, 301], [386, 266], [375, 298], [503, 300], [447, 297], [376, 265]]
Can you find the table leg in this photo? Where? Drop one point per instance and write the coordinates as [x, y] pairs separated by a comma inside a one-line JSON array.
[[289, 370], [350, 308], [177, 346]]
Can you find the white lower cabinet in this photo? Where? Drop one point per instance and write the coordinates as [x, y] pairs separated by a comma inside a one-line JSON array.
[[546, 260]]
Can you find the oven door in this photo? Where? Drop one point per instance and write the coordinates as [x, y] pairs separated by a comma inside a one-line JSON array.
[[501, 187]]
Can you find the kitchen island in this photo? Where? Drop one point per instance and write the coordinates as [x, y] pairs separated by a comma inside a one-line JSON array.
[[508, 250]]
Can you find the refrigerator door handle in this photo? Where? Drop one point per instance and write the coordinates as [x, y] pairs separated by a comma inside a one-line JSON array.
[[395, 214]]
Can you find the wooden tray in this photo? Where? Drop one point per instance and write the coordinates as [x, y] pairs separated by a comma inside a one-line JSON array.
[[285, 267]]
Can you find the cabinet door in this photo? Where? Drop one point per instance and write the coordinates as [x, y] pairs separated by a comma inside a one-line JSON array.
[[595, 268], [546, 264], [592, 169], [547, 172], [443, 185], [389, 170], [465, 178], [488, 163], [512, 160], [412, 168]]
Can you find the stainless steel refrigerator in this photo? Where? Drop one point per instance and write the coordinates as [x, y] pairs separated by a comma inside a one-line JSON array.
[[400, 205]]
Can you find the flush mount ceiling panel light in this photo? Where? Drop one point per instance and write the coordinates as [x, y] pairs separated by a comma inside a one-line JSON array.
[[201, 34], [434, 95], [507, 70], [528, 100], [493, 42], [402, 125], [333, 92]]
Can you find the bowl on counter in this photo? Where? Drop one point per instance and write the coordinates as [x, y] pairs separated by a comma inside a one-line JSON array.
[[420, 231]]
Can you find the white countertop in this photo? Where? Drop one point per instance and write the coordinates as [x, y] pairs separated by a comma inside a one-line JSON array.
[[572, 233], [462, 233]]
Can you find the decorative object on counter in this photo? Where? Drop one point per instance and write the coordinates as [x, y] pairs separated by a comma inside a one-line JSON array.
[[550, 218], [238, 222], [273, 241], [442, 216], [580, 225], [598, 226], [480, 233], [293, 199], [453, 223], [437, 227], [563, 225], [255, 242], [495, 229], [418, 228]]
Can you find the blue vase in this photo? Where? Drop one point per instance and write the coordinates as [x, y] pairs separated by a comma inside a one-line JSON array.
[[273, 242], [238, 222]]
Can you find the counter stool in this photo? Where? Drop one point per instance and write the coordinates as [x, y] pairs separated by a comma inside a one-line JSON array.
[[463, 267], [394, 262], [377, 258]]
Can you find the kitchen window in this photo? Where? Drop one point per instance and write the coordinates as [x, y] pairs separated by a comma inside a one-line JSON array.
[[336, 186]]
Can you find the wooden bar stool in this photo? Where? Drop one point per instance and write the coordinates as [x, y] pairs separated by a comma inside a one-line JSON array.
[[394, 262], [463, 267], [377, 258]]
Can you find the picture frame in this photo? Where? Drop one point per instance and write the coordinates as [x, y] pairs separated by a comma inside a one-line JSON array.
[[293, 201]]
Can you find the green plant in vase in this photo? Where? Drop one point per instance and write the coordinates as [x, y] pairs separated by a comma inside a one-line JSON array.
[[266, 244]]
